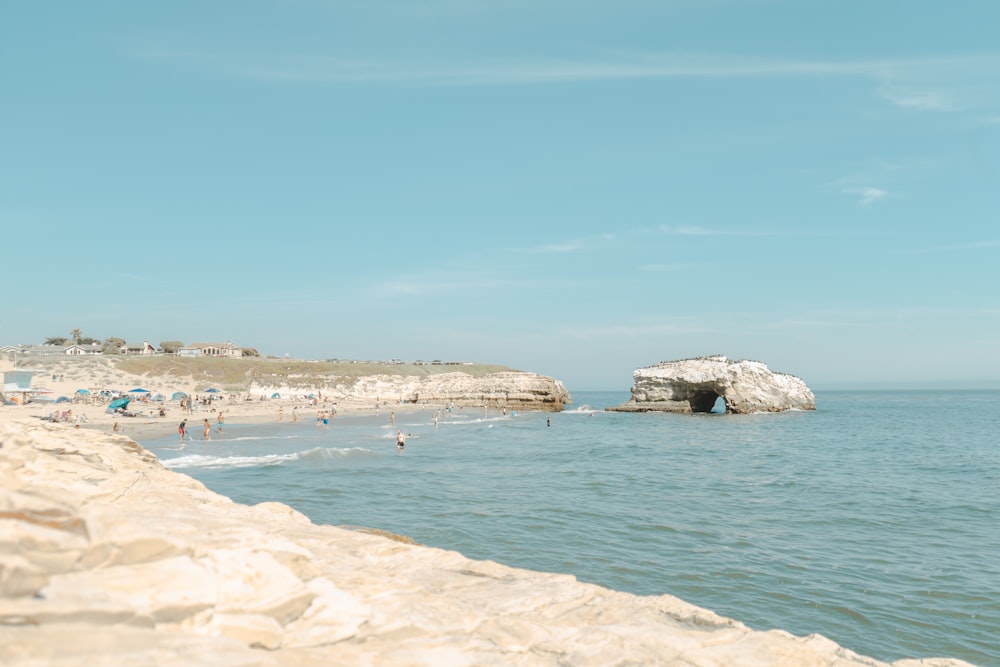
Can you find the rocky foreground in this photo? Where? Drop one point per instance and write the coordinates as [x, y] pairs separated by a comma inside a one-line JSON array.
[[108, 558]]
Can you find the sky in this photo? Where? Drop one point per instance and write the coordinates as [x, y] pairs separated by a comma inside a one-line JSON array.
[[577, 189]]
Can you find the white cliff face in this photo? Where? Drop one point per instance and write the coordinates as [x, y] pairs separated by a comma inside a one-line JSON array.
[[693, 385], [515, 390], [108, 558]]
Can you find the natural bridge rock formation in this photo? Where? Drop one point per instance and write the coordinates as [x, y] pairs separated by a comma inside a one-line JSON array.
[[694, 385]]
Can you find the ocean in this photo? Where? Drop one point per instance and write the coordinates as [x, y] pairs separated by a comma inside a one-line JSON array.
[[874, 520]]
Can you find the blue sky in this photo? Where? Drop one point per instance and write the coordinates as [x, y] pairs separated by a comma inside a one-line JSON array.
[[573, 188]]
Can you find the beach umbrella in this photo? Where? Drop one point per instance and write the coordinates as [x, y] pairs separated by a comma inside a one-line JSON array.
[[138, 391], [178, 395], [62, 399], [213, 390], [83, 391], [275, 395], [120, 403]]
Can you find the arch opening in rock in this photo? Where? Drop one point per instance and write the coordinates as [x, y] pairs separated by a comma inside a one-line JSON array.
[[704, 401]]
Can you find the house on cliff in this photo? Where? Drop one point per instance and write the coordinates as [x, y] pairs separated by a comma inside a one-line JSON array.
[[226, 350]]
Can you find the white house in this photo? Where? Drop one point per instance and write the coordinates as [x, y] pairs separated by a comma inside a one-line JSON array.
[[138, 348], [211, 350]]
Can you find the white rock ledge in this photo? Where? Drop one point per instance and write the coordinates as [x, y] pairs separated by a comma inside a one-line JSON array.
[[108, 558]]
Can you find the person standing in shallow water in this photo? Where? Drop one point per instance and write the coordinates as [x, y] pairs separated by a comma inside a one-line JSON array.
[[400, 440], [207, 432], [221, 421], [182, 429]]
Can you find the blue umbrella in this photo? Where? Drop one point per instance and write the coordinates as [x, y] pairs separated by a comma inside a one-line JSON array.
[[275, 395], [138, 391], [62, 399], [83, 391], [178, 395], [212, 391], [120, 403]]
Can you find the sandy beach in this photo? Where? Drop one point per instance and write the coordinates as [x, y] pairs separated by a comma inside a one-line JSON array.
[[90, 410]]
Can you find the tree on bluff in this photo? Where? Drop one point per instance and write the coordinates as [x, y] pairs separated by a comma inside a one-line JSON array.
[[171, 346]]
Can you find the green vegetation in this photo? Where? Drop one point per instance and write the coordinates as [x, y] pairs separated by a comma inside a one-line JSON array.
[[237, 374]]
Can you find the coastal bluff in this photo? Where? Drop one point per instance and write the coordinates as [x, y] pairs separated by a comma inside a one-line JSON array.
[[515, 390], [694, 385], [108, 558]]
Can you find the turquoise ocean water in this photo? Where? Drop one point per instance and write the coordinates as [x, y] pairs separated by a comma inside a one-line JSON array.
[[874, 521]]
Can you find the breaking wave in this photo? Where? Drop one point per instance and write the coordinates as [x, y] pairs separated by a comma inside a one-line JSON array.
[[208, 462]]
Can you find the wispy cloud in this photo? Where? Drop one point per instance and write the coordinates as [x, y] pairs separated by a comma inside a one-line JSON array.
[[695, 230], [905, 82], [572, 245], [867, 195], [922, 100], [671, 267], [687, 230]]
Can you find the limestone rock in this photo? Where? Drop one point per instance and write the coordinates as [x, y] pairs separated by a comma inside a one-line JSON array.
[[693, 385], [515, 390], [512, 389], [107, 558]]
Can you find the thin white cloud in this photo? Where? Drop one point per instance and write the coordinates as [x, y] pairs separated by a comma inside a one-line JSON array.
[[573, 245], [555, 248], [922, 100], [671, 267], [867, 195], [905, 82], [687, 230], [695, 230]]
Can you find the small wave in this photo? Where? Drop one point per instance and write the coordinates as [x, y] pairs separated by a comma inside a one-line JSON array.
[[246, 438], [582, 410], [477, 420], [203, 461], [324, 453], [216, 462]]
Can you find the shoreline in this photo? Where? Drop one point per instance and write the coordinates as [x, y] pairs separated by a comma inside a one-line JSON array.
[[161, 570]]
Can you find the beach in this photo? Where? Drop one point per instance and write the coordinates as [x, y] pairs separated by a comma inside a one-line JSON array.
[[65, 378]]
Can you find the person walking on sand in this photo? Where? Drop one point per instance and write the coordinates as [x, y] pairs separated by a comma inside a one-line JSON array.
[[207, 432], [281, 412], [295, 414], [115, 429], [182, 429]]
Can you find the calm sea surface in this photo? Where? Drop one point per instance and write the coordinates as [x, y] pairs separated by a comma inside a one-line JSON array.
[[874, 521]]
